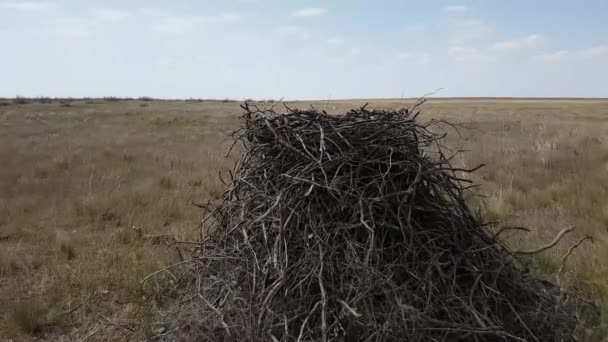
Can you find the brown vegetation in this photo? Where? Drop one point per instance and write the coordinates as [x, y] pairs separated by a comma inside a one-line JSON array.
[[75, 181]]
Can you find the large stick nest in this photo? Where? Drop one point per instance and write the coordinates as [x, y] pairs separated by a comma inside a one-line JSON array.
[[355, 228]]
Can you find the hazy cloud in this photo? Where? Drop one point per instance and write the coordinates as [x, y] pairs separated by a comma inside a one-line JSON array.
[[532, 41], [421, 58], [165, 62], [354, 51], [418, 28], [552, 57], [188, 24], [179, 25], [468, 54], [73, 28], [455, 9], [600, 51], [27, 5], [111, 15], [335, 41], [310, 12], [89, 45], [297, 32], [466, 31]]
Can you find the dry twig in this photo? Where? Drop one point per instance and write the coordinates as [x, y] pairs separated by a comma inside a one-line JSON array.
[[327, 213], [551, 244], [562, 264]]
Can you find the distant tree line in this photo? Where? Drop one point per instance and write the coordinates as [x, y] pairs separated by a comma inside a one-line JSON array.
[[66, 101]]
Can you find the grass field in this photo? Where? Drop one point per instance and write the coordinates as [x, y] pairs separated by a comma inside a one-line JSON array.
[[91, 193]]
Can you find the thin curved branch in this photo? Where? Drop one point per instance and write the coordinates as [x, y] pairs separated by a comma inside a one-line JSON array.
[[567, 255], [555, 241]]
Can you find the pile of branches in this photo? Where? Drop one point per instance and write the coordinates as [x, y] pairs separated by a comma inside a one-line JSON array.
[[354, 227]]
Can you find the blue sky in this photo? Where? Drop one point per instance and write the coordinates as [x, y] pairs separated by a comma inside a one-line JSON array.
[[303, 49]]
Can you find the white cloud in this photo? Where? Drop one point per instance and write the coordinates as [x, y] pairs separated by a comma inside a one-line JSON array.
[[422, 58], [178, 25], [168, 66], [418, 28], [405, 56], [111, 15], [552, 57], [296, 32], [465, 31], [165, 62], [310, 12], [27, 5], [85, 26], [455, 9], [226, 17], [458, 51], [354, 51], [532, 41], [469, 22], [600, 51], [335, 41], [73, 27], [191, 23], [468, 54]]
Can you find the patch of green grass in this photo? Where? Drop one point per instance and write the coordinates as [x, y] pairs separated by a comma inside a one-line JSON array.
[[127, 236], [62, 164], [68, 250], [110, 215], [129, 158], [8, 264], [167, 183], [14, 260], [98, 210], [41, 172], [543, 264], [195, 183], [32, 317]]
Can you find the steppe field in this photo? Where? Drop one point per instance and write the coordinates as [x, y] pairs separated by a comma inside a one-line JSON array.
[[96, 195]]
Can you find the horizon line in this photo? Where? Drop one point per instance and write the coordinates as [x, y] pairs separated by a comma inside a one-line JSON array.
[[246, 99]]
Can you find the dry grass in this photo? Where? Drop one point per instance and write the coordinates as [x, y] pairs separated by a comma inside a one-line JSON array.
[[75, 180]]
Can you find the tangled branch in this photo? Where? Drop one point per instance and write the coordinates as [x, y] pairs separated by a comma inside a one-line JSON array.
[[355, 228]]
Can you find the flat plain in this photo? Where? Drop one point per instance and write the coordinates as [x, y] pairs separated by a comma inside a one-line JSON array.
[[94, 193]]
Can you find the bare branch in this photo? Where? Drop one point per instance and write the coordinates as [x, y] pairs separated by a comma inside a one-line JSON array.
[[566, 256], [551, 244]]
